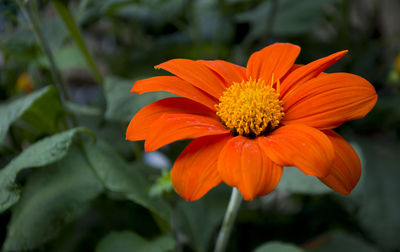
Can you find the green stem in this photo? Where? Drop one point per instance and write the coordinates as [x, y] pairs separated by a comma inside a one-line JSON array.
[[229, 219], [31, 13], [76, 35]]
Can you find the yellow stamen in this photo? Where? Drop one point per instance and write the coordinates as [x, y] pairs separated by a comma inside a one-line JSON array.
[[250, 108]]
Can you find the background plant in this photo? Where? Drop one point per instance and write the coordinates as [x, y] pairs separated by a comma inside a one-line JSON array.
[[69, 180]]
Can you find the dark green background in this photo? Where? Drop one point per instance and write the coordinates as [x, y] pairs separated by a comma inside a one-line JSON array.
[[86, 188]]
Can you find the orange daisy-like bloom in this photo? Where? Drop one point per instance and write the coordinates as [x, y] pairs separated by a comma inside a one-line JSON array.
[[250, 122]]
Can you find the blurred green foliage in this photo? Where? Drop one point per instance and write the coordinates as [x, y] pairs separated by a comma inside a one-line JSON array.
[[91, 190]]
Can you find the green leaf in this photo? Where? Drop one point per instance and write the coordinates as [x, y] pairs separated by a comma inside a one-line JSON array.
[[276, 246], [41, 153], [343, 242], [82, 110], [378, 192], [129, 241], [34, 109], [122, 105], [154, 12], [210, 23], [290, 17], [293, 180], [19, 41], [54, 31], [162, 185], [297, 17], [120, 177], [52, 197], [67, 57], [199, 219]]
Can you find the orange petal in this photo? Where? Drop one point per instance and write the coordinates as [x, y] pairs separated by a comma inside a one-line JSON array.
[[142, 121], [195, 170], [243, 164], [229, 72], [176, 86], [346, 170], [307, 148], [309, 71], [197, 74], [275, 60], [329, 100], [293, 68], [173, 127]]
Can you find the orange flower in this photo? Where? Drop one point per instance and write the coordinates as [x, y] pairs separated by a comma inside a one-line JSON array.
[[250, 122]]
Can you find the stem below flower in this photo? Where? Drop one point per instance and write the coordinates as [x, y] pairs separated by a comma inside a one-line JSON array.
[[229, 219]]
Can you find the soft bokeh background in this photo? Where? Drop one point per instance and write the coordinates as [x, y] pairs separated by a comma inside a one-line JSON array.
[[64, 188]]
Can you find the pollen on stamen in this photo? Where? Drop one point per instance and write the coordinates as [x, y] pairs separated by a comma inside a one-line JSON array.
[[250, 108]]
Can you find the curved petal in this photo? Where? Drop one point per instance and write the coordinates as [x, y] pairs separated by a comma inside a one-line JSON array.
[[293, 68], [243, 164], [307, 148], [229, 72], [309, 71], [274, 60], [195, 73], [329, 100], [173, 127], [195, 170], [142, 121], [346, 170], [176, 86]]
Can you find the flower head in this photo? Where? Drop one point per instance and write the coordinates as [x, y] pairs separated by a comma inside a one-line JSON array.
[[248, 123]]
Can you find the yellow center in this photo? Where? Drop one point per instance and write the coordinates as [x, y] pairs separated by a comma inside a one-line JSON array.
[[250, 108]]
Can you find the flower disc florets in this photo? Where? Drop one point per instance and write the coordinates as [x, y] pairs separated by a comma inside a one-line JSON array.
[[250, 108]]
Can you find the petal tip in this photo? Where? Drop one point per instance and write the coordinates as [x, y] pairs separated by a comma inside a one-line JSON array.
[[287, 44], [148, 147], [347, 193], [130, 135], [342, 53], [192, 198], [134, 88], [247, 197]]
